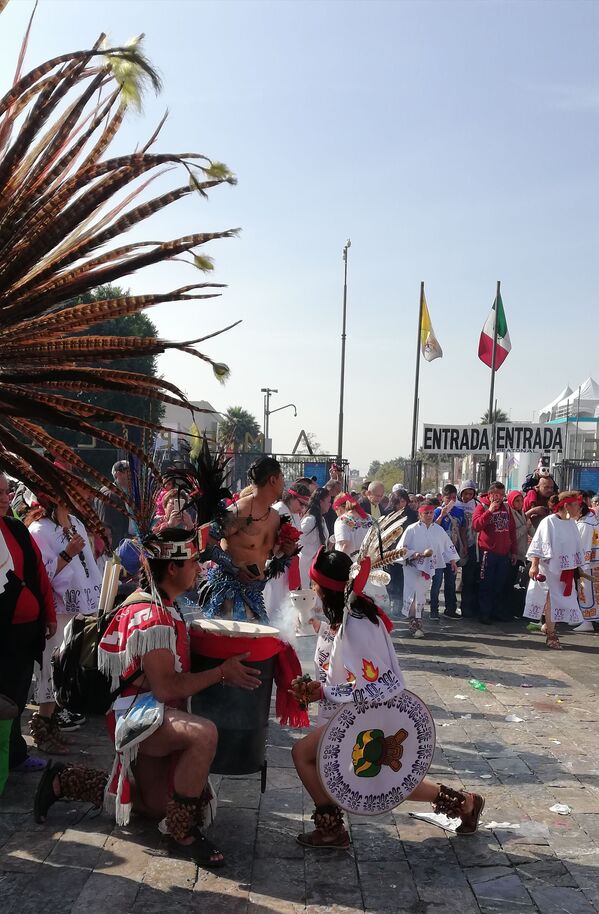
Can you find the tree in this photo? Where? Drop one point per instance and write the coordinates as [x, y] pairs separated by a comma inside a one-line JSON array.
[[237, 423], [373, 469], [498, 415], [314, 443]]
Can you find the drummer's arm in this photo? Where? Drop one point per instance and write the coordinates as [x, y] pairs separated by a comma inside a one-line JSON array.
[[169, 685]]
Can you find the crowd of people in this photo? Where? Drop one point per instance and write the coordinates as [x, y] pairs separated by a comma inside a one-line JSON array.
[[498, 541], [533, 554]]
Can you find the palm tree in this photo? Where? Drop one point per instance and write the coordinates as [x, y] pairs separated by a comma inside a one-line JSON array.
[[237, 423], [65, 206], [498, 416]]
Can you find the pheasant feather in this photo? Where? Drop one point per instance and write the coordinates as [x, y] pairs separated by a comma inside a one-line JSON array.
[[65, 206]]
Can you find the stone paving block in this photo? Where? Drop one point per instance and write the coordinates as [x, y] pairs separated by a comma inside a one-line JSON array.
[[10, 822], [77, 848], [285, 881], [103, 893], [388, 887], [481, 849], [375, 841], [265, 904], [165, 872], [239, 793], [153, 900], [332, 878], [548, 870], [53, 891], [526, 833], [501, 894], [279, 757], [557, 900], [25, 852]]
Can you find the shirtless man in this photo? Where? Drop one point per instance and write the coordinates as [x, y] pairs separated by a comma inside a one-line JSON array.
[[247, 538]]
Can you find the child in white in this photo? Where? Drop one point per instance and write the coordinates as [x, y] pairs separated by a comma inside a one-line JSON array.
[[418, 538]]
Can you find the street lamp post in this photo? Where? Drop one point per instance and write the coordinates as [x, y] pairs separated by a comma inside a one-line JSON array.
[[343, 337], [267, 391]]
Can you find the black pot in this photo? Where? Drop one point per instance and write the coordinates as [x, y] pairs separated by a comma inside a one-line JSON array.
[[240, 715]]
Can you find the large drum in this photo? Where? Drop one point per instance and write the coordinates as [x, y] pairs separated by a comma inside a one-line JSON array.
[[372, 756], [240, 715]]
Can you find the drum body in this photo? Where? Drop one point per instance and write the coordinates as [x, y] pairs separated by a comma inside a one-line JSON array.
[[240, 715]]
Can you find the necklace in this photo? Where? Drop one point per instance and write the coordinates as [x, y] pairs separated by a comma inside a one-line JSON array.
[[250, 519]]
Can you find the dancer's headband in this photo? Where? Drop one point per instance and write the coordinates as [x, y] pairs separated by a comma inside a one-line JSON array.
[[174, 552], [300, 498], [322, 579], [346, 498], [570, 500]]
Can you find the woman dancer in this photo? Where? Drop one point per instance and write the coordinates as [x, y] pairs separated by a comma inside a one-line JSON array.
[[293, 504], [314, 532], [351, 526], [365, 629], [555, 553]]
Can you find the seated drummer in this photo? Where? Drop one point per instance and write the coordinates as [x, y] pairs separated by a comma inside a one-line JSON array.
[[245, 540], [168, 778]]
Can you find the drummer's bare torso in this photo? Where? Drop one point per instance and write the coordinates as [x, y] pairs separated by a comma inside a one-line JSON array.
[[251, 531]]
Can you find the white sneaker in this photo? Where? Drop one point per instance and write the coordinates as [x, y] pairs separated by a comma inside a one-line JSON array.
[[419, 633], [584, 627]]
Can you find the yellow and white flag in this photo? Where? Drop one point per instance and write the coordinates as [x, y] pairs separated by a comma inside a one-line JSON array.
[[428, 341]]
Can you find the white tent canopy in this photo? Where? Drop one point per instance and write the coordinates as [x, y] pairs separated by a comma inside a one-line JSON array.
[[547, 411], [581, 402]]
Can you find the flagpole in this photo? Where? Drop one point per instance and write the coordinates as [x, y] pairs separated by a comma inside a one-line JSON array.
[[492, 391], [416, 382]]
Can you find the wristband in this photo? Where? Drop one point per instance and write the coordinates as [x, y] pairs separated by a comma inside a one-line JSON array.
[[64, 555]]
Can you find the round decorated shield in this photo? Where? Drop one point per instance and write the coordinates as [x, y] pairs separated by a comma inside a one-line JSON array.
[[372, 756]]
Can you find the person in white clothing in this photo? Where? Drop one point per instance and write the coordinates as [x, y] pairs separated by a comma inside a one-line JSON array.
[[76, 582], [555, 553], [588, 585], [356, 628], [293, 504], [351, 526], [315, 532], [428, 547]]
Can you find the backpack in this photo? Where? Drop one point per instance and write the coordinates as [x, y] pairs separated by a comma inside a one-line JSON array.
[[78, 683]]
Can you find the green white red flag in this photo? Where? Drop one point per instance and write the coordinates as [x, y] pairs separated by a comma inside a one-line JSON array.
[[485, 344]]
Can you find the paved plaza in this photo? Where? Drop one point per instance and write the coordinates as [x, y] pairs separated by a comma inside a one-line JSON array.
[[525, 859]]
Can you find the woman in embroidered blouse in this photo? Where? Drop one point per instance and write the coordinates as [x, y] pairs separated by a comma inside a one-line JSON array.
[[351, 526]]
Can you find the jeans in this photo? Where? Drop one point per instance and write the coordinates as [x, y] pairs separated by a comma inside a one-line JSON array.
[[451, 602], [494, 570], [470, 573]]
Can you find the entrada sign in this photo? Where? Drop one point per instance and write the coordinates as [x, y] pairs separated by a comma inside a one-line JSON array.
[[473, 439]]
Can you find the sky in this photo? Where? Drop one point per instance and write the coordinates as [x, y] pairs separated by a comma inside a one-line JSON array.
[[454, 143]]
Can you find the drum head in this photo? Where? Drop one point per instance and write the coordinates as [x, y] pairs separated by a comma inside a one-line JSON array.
[[372, 756], [233, 629]]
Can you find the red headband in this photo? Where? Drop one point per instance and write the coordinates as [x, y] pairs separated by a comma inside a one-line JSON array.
[[346, 498], [426, 508], [319, 578], [571, 500], [299, 497]]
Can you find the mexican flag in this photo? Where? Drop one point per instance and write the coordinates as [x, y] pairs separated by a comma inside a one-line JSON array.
[[485, 344]]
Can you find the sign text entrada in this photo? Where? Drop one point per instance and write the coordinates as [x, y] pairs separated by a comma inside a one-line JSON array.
[[472, 439]]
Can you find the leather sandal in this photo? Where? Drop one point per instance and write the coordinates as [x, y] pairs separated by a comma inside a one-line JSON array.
[[552, 641]]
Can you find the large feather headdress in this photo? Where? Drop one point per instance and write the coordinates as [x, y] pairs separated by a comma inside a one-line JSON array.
[[64, 207]]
